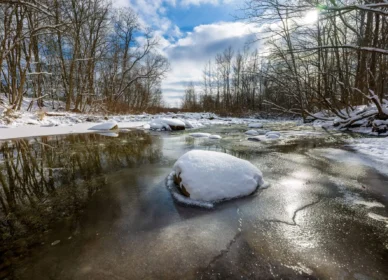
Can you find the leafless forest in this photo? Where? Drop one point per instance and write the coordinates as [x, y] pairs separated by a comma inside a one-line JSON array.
[[82, 52], [94, 57], [332, 60]]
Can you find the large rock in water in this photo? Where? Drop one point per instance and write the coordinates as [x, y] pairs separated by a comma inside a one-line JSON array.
[[167, 124], [213, 176]]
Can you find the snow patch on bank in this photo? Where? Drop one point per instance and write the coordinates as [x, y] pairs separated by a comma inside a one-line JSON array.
[[366, 158], [40, 123], [376, 148], [105, 126]]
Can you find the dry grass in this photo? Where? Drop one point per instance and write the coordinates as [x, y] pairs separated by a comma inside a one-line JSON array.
[[40, 114], [9, 115]]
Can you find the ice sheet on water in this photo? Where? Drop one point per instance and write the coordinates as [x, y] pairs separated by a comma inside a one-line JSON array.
[[255, 125], [200, 135], [252, 132], [361, 156], [105, 126], [375, 148]]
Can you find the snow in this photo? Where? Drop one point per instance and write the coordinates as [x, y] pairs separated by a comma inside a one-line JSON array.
[[376, 148], [215, 137], [369, 204], [255, 125], [373, 151], [262, 132], [192, 123], [166, 124], [31, 124], [378, 218], [212, 176], [200, 135], [105, 126], [267, 136], [34, 131], [252, 132], [359, 116], [183, 199], [361, 155], [272, 135]]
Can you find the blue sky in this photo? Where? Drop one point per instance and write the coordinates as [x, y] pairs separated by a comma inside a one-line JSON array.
[[191, 33], [187, 17]]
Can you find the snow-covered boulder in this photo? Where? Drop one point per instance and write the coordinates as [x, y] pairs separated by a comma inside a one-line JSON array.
[[188, 123], [167, 124], [212, 176], [191, 123], [273, 135], [215, 137], [255, 125], [200, 135], [105, 126], [252, 132]]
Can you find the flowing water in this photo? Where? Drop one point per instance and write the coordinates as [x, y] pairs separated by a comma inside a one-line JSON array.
[[96, 207]]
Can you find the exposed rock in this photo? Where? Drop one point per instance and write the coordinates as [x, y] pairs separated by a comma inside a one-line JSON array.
[[181, 187], [255, 139]]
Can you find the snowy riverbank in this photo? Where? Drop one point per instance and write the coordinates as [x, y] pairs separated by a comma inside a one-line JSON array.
[[28, 124], [31, 124]]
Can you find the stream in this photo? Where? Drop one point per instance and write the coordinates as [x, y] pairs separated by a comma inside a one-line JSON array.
[[91, 206]]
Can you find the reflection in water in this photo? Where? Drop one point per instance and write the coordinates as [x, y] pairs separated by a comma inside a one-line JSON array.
[[50, 178]]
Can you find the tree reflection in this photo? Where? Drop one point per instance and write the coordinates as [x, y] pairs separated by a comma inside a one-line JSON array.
[[49, 178]]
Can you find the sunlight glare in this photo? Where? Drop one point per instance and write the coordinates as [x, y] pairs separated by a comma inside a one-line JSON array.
[[311, 17]]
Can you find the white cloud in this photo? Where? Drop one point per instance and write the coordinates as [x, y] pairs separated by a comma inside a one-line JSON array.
[[189, 54], [120, 3], [199, 2]]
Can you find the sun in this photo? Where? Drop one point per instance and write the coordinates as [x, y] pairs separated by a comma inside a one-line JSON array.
[[311, 17]]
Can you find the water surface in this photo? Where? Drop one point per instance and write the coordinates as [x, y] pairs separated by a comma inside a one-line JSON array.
[[105, 200]]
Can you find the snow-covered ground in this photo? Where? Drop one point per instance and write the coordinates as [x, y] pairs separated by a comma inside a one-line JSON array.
[[37, 123], [366, 125], [32, 124], [372, 152], [375, 147]]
